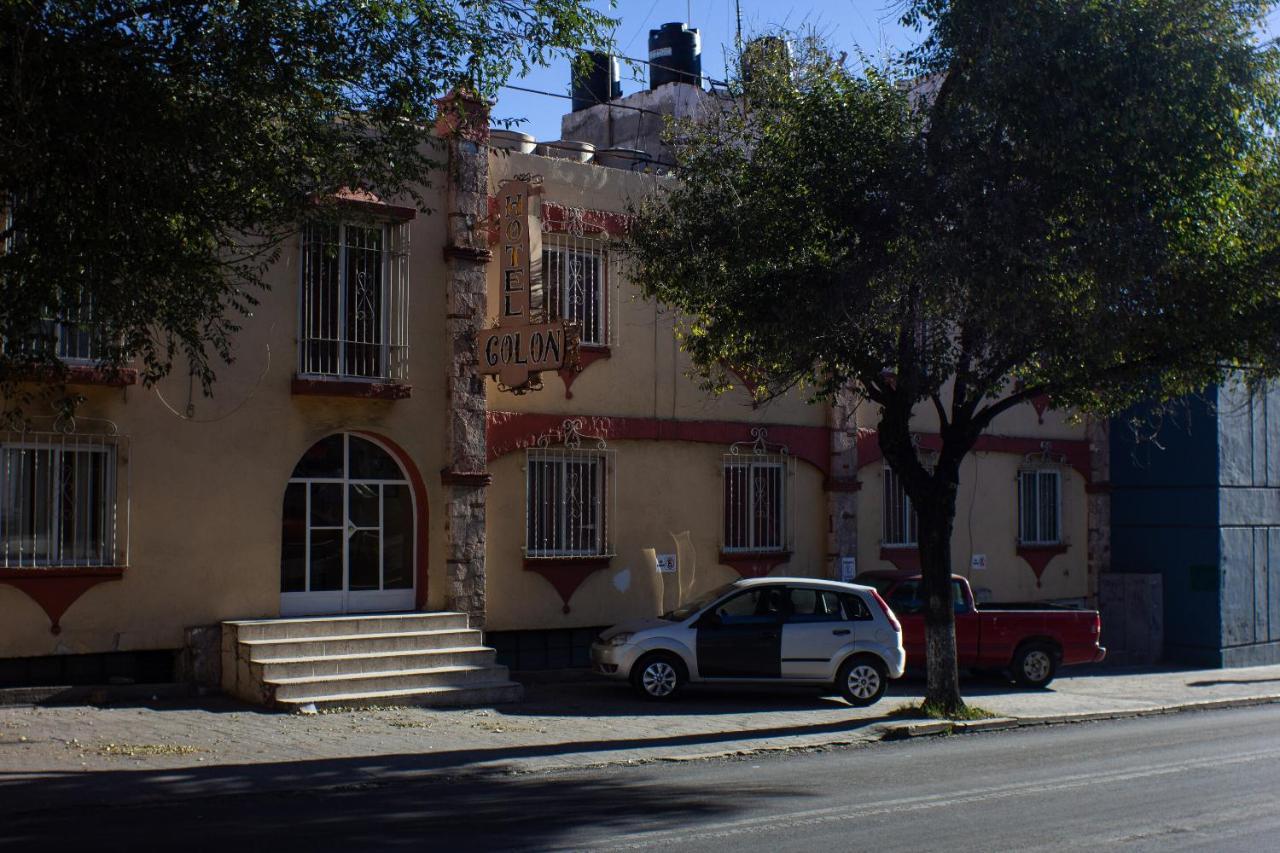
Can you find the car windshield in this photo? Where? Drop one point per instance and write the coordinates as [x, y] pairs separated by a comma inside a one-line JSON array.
[[684, 611]]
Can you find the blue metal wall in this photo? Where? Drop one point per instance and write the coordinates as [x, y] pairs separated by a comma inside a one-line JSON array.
[[1164, 520]]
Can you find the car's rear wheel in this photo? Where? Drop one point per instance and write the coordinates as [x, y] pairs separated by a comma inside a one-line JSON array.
[[1035, 664], [659, 676], [862, 680]]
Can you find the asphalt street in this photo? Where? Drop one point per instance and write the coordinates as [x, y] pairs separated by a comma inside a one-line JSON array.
[[1191, 781]]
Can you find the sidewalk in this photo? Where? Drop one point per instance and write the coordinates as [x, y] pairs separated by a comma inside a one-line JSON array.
[[173, 749]]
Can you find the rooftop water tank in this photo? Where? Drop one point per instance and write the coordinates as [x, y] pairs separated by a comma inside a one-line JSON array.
[[765, 52], [675, 56], [595, 81]]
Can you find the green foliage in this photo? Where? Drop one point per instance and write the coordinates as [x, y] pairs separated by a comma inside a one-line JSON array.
[[154, 153], [1078, 198]]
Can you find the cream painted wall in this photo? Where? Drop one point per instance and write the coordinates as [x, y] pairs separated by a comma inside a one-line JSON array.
[[669, 498], [206, 492], [987, 523]]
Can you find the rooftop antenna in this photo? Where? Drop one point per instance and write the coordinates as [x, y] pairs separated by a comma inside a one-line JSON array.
[[737, 6]]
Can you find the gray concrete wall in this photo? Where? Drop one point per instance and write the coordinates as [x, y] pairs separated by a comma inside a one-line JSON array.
[[1249, 524]]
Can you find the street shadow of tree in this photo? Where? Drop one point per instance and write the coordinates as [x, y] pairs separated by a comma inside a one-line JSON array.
[[362, 804]]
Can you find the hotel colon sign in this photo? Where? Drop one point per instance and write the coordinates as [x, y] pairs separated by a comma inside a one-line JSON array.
[[339, 470]]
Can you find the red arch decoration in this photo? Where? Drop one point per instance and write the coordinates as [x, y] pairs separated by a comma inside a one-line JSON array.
[[422, 512]]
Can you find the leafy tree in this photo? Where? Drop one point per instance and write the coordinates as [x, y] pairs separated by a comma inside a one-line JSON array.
[[153, 154], [1067, 197]]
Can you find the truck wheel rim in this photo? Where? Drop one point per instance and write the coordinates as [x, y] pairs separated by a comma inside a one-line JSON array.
[[864, 681], [659, 678], [1036, 665]]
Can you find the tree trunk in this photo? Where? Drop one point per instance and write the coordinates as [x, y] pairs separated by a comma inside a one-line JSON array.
[[937, 517]]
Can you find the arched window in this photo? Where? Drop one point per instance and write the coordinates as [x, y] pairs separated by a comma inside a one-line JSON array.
[[347, 539]]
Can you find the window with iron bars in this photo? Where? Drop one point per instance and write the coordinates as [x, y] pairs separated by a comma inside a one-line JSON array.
[[901, 527], [354, 305], [575, 272], [1039, 507], [569, 496], [59, 499], [755, 505]]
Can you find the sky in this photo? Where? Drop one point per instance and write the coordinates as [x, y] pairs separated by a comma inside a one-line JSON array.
[[870, 25]]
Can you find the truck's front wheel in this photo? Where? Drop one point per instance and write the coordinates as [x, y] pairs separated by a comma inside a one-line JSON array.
[[1035, 664]]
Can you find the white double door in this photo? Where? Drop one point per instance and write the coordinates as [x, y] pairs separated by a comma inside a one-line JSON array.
[[347, 541]]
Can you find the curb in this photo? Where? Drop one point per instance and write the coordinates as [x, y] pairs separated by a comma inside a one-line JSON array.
[[935, 728]]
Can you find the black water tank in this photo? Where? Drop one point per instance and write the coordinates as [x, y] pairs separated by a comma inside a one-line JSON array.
[[598, 83], [675, 56]]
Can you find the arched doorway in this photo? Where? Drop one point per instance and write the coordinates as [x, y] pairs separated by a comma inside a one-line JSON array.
[[347, 540]]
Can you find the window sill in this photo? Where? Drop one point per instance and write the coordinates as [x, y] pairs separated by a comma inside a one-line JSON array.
[[41, 572], [86, 374], [365, 389], [566, 574], [754, 564]]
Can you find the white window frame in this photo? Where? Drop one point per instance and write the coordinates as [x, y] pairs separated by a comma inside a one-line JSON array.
[[1031, 521], [757, 455], [38, 459], [318, 331], [901, 524], [568, 539], [595, 322]]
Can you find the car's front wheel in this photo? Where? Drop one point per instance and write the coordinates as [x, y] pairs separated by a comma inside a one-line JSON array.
[[658, 676], [862, 680]]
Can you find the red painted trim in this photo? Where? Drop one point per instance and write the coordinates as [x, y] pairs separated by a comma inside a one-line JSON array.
[[1038, 556], [465, 478], [378, 209], [1075, 450], [423, 514], [556, 219], [566, 574], [754, 564], [80, 374], [303, 387], [587, 356], [512, 431], [904, 559], [56, 589]]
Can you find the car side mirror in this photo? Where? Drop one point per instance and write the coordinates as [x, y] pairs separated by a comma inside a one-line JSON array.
[[710, 619]]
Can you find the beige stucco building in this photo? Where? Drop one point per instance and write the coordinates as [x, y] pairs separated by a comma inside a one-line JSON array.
[[352, 459]]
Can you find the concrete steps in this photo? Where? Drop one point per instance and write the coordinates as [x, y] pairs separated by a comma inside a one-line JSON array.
[[380, 659]]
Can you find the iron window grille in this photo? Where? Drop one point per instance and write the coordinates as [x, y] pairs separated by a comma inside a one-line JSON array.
[[61, 494], [757, 496], [570, 495], [901, 525], [1040, 506], [576, 282], [354, 309]]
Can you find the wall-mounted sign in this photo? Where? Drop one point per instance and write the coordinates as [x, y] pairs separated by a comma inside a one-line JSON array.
[[978, 562], [667, 564], [848, 568], [522, 345]]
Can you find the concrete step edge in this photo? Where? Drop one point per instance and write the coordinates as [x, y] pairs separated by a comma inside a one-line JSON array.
[[405, 693], [356, 617], [339, 638], [389, 673], [395, 653]]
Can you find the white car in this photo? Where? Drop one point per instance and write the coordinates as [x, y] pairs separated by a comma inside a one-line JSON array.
[[762, 631]]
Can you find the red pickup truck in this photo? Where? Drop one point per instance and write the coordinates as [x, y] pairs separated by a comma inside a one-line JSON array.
[[1031, 640]]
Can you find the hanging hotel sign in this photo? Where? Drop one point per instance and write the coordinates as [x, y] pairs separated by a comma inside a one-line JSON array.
[[523, 344]]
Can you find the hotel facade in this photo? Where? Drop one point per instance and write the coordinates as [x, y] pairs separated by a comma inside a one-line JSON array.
[[356, 458]]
